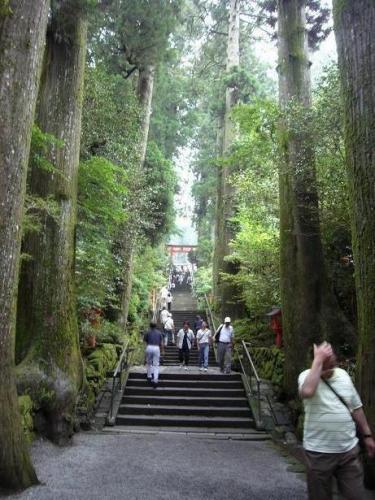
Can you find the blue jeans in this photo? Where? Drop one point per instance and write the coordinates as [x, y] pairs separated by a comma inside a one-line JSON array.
[[203, 354]]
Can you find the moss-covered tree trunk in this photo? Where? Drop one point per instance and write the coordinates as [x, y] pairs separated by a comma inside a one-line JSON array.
[[22, 36], [129, 243], [355, 36], [51, 370], [310, 310], [227, 293]]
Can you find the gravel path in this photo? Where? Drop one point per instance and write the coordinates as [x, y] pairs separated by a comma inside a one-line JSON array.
[[162, 466]]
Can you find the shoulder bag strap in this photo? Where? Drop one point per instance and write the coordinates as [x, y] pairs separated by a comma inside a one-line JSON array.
[[338, 396]]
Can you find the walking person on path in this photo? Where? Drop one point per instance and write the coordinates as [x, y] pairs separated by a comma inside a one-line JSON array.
[[163, 296], [163, 315], [169, 330], [204, 339], [332, 410], [185, 341], [154, 345], [169, 301], [198, 323], [224, 336]]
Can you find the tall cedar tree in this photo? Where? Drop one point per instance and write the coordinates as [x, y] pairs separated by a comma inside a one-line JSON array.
[[22, 36], [227, 294], [355, 36], [47, 329], [310, 310], [142, 31], [144, 92]]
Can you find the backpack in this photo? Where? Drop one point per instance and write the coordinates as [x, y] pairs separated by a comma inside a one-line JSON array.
[[217, 334]]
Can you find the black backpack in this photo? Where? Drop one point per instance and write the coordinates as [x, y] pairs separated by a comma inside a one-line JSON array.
[[217, 335]]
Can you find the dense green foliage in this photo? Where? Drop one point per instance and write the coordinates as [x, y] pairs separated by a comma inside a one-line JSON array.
[[256, 244]]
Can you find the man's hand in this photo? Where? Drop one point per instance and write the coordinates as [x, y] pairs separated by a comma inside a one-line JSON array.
[[322, 352], [370, 446]]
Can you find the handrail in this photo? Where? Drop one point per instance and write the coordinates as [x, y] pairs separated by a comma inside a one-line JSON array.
[[212, 323], [210, 313], [245, 344], [117, 382], [249, 375]]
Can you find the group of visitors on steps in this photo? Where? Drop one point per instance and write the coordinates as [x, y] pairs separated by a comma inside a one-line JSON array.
[[186, 340]]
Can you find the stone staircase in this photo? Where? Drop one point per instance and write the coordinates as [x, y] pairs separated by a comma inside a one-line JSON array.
[[192, 401], [189, 402], [170, 357]]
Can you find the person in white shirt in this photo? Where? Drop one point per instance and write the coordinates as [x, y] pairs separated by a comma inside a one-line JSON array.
[[332, 410], [163, 315], [204, 339], [185, 341], [169, 330], [163, 296], [169, 301], [224, 337]]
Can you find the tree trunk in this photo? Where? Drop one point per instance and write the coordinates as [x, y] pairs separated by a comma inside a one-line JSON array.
[[22, 37], [228, 294], [219, 223], [47, 323], [127, 281], [144, 92], [310, 311], [355, 36]]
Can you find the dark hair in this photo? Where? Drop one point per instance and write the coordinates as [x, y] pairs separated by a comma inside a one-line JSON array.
[[152, 324], [186, 323]]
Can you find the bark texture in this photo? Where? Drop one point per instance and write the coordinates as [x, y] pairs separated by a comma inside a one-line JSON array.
[[47, 329], [310, 310], [22, 37], [219, 222], [355, 36], [227, 293], [130, 237]]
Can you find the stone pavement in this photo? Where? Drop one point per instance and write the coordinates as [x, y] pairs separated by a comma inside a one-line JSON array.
[[162, 467]]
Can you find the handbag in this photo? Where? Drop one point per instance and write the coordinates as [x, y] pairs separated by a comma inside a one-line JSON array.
[[368, 463]]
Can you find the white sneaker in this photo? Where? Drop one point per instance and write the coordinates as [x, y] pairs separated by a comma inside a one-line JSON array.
[[201, 369], [186, 368], [205, 369]]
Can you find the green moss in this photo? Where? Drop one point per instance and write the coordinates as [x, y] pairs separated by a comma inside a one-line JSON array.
[[97, 365], [5, 9], [26, 410], [269, 363]]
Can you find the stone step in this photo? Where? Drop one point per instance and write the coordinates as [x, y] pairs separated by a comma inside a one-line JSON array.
[[244, 434], [157, 399], [207, 384], [186, 391], [208, 411], [169, 356], [185, 421], [188, 376]]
